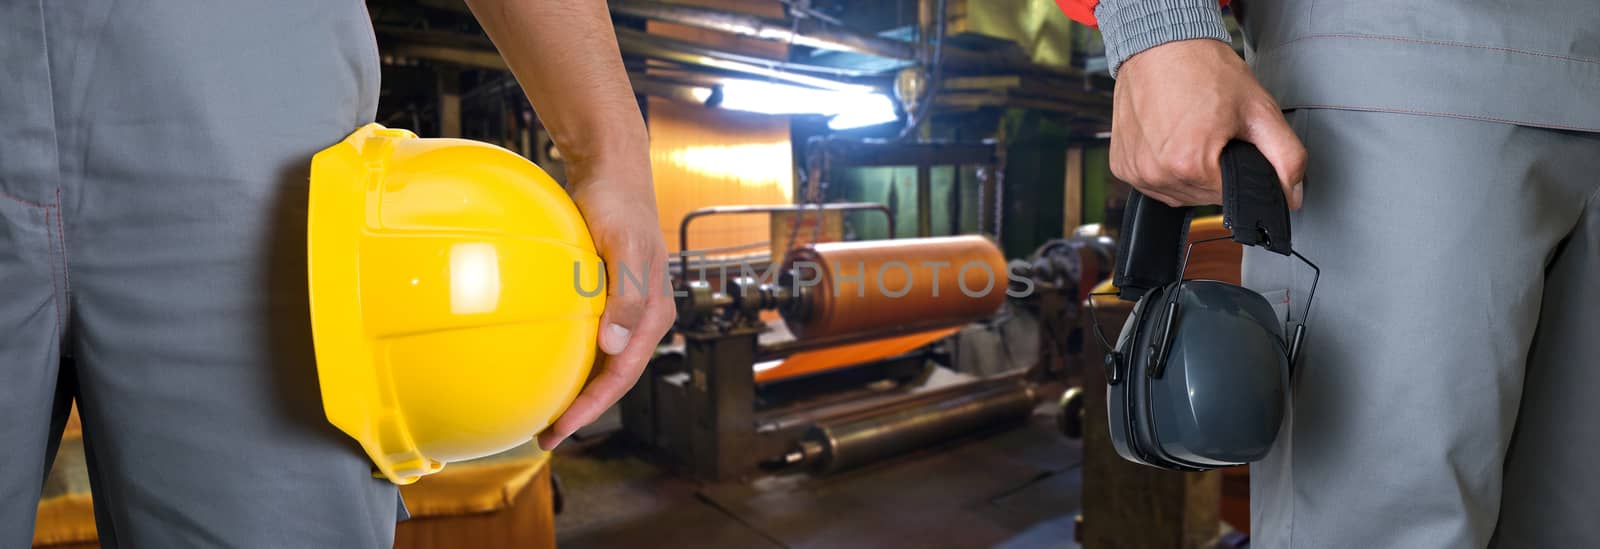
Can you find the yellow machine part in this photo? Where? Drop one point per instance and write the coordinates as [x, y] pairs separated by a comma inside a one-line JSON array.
[[1218, 260], [1214, 260], [447, 310]]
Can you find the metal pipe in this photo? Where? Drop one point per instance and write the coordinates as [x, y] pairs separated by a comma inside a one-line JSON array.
[[645, 84], [930, 16], [802, 32], [476, 51], [820, 34], [683, 226], [464, 56], [835, 447], [878, 404], [688, 53]]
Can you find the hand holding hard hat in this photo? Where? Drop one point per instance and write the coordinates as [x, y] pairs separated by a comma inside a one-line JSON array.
[[455, 303], [621, 214]]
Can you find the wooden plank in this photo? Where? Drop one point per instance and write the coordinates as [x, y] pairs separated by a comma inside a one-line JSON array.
[[449, 102], [525, 519], [1072, 195], [924, 200], [982, 82]]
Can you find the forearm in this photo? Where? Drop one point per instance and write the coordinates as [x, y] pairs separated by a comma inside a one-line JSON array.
[[1132, 26], [564, 54]]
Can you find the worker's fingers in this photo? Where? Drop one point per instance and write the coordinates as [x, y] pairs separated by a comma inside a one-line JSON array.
[[616, 201], [1187, 169], [1181, 170], [634, 274], [1265, 126], [1176, 187], [1164, 198], [1151, 178], [618, 372], [639, 310]]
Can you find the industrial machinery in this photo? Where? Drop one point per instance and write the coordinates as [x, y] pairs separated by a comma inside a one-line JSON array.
[[824, 359]]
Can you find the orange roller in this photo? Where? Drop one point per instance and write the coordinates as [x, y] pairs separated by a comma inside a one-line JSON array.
[[811, 362], [856, 287]]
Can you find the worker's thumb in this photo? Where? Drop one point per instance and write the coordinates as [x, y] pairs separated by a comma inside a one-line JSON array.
[[1270, 133], [614, 338], [625, 301]]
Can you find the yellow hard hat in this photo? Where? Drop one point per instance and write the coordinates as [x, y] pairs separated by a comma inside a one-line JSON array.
[[446, 305]]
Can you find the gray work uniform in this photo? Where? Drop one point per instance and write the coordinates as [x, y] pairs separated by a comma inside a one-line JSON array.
[[1452, 199], [153, 171], [1448, 392]]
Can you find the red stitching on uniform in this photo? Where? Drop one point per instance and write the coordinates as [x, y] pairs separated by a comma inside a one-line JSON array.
[[14, 198], [1446, 114], [55, 290], [66, 270], [1446, 43]]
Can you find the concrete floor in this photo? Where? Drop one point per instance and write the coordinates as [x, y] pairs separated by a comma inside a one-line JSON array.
[[1016, 488], [1013, 489]]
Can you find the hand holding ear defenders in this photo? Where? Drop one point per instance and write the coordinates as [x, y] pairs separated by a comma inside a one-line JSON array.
[[1253, 204], [1199, 376]]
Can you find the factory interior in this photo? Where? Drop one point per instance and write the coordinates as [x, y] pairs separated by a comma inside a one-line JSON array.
[[844, 132]]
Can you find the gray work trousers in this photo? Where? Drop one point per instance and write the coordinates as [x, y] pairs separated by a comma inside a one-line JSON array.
[[1449, 394], [153, 170]]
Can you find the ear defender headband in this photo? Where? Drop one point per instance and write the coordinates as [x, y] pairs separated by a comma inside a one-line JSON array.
[[1199, 376]]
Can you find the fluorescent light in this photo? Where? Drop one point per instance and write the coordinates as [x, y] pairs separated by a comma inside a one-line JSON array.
[[870, 110], [701, 94], [769, 72], [851, 107]]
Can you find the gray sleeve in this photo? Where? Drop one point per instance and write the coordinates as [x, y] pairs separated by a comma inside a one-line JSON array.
[[1132, 26]]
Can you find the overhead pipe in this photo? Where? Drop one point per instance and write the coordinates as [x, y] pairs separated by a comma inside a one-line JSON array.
[[477, 51], [818, 34], [679, 51], [930, 17], [802, 32]]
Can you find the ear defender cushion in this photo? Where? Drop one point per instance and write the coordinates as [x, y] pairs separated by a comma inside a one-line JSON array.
[[1143, 403], [1119, 396], [1131, 416], [1138, 387]]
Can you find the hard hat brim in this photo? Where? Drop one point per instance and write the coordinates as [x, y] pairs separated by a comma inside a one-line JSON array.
[[353, 397]]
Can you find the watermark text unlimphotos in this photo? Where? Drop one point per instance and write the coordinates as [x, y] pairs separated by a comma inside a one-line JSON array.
[[974, 279]]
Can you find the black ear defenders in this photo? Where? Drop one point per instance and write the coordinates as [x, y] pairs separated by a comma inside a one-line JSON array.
[[1199, 376]]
